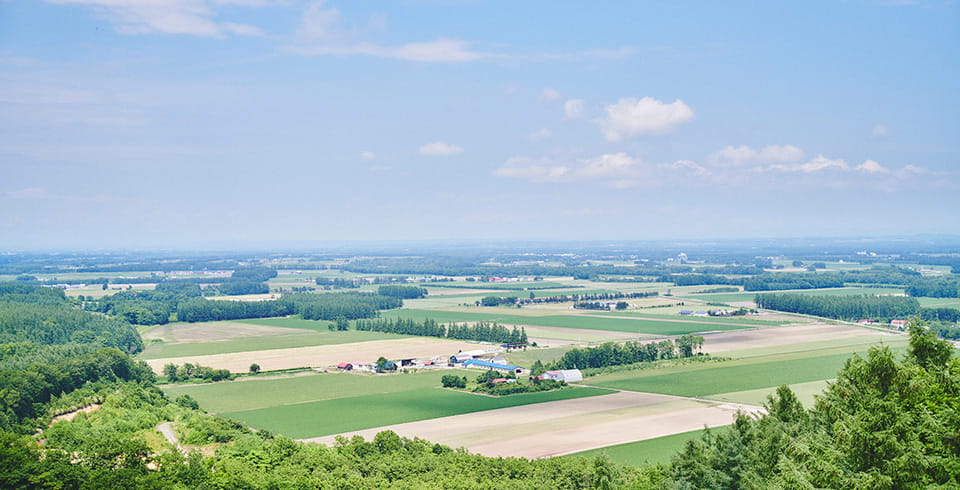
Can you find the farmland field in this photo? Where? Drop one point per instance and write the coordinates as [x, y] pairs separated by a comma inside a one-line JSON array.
[[561, 427], [749, 296], [638, 326], [658, 450], [703, 380], [312, 419], [322, 355], [260, 343]]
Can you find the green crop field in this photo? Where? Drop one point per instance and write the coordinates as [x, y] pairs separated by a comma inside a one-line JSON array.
[[658, 450], [651, 327], [262, 393], [748, 296], [500, 285], [313, 419], [249, 344], [653, 315], [702, 380], [940, 302]]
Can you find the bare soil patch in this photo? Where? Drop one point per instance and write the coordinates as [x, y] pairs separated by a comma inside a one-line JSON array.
[[766, 337], [71, 415], [323, 355], [214, 331], [567, 426]]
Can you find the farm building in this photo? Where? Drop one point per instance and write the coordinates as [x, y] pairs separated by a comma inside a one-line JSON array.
[[563, 375], [464, 356], [503, 368], [346, 366], [900, 324], [686, 312]]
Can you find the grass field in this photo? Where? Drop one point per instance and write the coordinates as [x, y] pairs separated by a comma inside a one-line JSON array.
[[520, 286], [940, 302], [262, 393], [289, 322], [656, 314], [312, 419], [249, 344], [748, 296], [638, 326], [704, 380], [658, 450]]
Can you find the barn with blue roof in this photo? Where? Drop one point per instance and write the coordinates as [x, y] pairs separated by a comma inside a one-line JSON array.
[[503, 368]]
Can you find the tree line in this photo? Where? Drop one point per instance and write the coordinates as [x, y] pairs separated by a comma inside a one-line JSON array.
[[309, 306], [480, 331], [841, 307], [630, 352]]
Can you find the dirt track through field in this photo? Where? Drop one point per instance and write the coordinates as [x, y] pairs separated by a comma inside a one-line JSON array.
[[567, 426], [324, 355]]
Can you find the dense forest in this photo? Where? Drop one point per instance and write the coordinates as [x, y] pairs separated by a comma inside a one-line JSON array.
[[883, 423]]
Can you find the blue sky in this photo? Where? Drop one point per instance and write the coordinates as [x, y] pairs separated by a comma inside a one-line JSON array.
[[194, 123]]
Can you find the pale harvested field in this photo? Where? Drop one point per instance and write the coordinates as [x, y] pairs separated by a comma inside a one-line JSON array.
[[567, 426], [214, 331], [323, 355], [451, 291], [554, 336], [719, 342]]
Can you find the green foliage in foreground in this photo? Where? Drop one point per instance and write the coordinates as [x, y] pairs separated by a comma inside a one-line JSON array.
[[882, 424]]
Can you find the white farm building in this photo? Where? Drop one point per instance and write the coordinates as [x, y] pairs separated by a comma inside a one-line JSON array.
[[567, 375]]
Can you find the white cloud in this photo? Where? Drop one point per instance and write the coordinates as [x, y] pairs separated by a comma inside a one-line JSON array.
[[549, 94], [818, 164], [440, 149], [612, 168], [872, 167], [368, 155], [573, 109], [189, 17], [539, 135], [631, 117], [879, 131], [745, 155]]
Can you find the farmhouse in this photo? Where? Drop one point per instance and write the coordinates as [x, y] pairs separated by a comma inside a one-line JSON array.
[[503, 368], [900, 324], [563, 375], [346, 366]]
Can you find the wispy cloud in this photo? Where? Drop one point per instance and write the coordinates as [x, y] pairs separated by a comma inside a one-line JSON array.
[[440, 149], [539, 135], [322, 33], [573, 109], [188, 17]]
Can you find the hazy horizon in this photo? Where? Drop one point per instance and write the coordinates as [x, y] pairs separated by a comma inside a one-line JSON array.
[[208, 124]]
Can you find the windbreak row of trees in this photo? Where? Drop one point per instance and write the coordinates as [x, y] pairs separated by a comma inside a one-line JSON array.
[[630, 352], [350, 306], [564, 298], [481, 331], [402, 292], [851, 307]]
